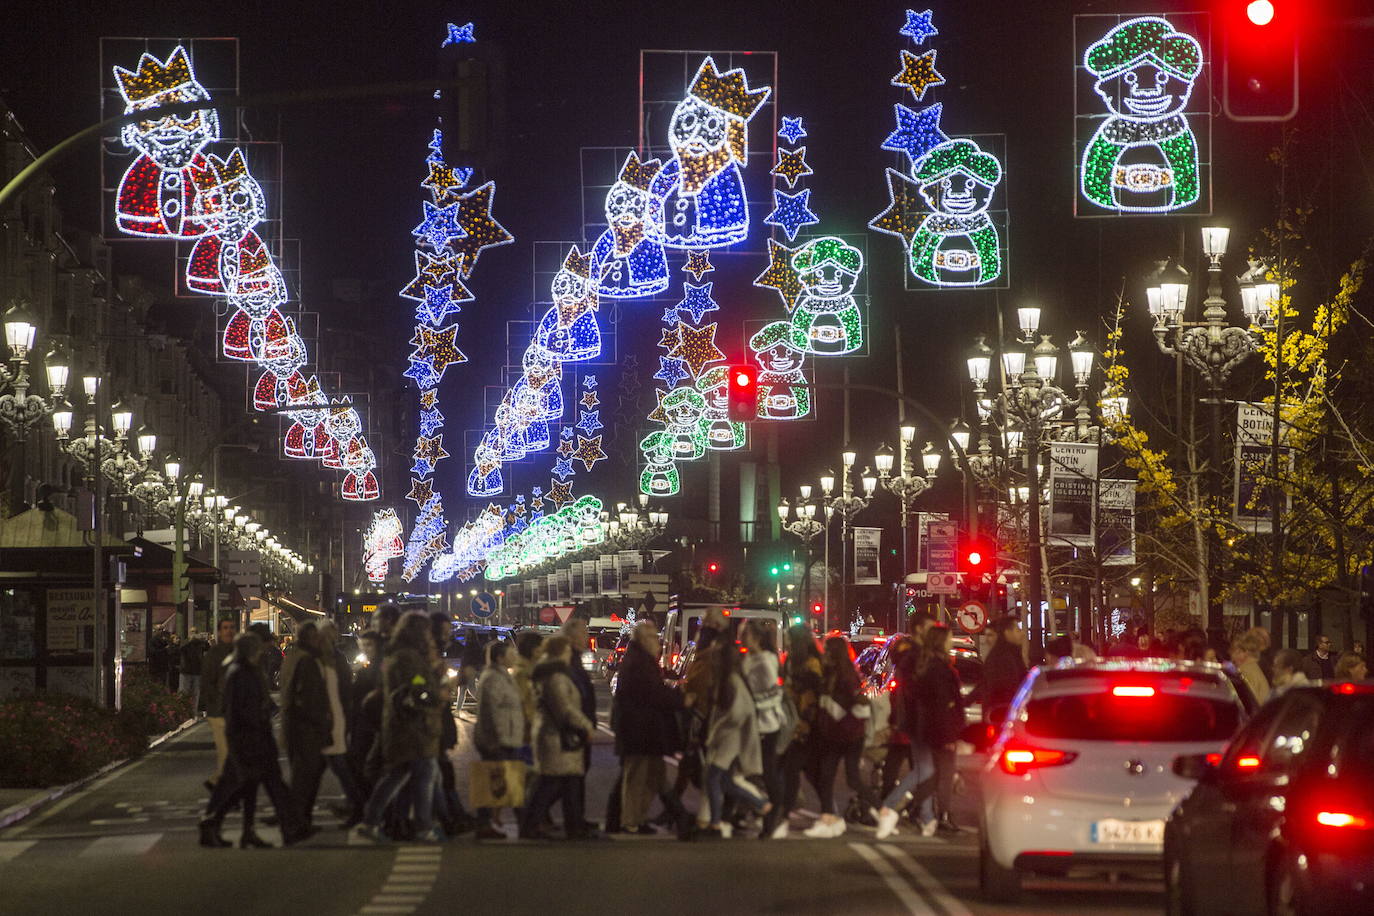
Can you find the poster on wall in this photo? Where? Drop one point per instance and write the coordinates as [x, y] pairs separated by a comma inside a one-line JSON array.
[[867, 545], [71, 620], [1142, 114], [1116, 521], [1073, 478]]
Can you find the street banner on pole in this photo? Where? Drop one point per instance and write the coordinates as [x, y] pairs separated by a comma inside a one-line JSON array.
[[1116, 521], [575, 576], [1252, 498], [922, 542], [610, 578], [1073, 476], [942, 546], [591, 578], [867, 546], [628, 562]]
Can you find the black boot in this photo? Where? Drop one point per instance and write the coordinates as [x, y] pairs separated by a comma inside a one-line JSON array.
[[209, 834], [250, 839]]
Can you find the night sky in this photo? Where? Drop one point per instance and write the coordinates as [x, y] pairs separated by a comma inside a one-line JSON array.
[[351, 171]]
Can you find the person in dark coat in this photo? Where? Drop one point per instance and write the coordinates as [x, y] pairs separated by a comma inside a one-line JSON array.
[[214, 665], [646, 729], [305, 720], [365, 710], [575, 629], [942, 719], [1004, 669], [252, 754], [1321, 664], [906, 721], [448, 807], [412, 707], [561, 731]]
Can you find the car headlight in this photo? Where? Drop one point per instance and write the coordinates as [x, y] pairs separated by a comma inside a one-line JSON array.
[[453, 672], [361, 659]]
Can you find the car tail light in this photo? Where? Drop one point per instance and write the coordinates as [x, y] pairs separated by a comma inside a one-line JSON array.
[[676, 656], [1019, 759], [1214, 759], [1344, 819], [1248, 762], [892, 684], [1130, 690]]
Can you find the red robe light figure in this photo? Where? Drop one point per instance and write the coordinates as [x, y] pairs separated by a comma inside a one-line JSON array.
[[361, 483], [283, 353], [233, 261], [306, 433], [157, 194], [342, 424]]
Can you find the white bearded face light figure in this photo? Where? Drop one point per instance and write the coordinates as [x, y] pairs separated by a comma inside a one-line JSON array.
[[343, 423], [230, 200], [171, 141]]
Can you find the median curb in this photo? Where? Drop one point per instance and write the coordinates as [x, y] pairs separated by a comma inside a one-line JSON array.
[[44, 797]]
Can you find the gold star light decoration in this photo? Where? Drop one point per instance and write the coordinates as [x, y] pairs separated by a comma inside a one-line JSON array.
[[791, 166], [697, 347], [905, 209], [588, 451], [430, 448], [438, 347], [442, 180], [672, 337], [780, 276], [429, 398], [436, 271], [658, 415], [421, 491], [560, 492], [699, 262], [918, 73], [590, 400], [483, 232], [565, 448]]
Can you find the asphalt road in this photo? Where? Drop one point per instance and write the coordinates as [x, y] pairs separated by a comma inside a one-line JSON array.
[[127, 844]]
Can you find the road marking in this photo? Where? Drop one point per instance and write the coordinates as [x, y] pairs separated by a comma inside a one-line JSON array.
[[134, 844], [414, 871], [10, 849], [895, 883], [932, 886]]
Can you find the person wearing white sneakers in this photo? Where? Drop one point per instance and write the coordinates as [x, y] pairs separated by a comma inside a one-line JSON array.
[[839, 735], [938, 713], [732, 740]]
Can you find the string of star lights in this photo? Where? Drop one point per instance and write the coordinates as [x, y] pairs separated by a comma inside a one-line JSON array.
[[700, 193], [177, 189], [1145, 71], [940, 209]]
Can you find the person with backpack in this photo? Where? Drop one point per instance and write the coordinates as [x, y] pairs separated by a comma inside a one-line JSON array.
[[759, 639], [732, 742], [839, 735]]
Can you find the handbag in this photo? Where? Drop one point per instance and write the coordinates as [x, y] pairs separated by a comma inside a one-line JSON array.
[[788, 729], [837, 726], [496, 783], [570, 739]]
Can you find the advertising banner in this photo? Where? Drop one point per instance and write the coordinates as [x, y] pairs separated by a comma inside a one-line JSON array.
[[867, 545], [610, 577], [922, 542], [1252, 497], [1116, 521], [1073, 477]]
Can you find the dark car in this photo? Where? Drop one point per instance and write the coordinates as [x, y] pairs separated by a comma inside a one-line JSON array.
[[1283, 820]]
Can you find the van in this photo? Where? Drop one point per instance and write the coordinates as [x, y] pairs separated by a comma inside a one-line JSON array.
[[680, 628]]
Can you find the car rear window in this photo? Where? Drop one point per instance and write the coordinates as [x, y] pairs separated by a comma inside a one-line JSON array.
[[1103, 716]]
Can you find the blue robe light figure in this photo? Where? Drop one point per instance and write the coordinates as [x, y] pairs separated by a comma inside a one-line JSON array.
[[1143, 158], [568, 331], [701, 191], [782, 382], [827, 320], [629, 255], [485, 477], [722, 433], [684, 408]]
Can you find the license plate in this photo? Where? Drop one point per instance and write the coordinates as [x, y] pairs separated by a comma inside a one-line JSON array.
[[1139, 833]]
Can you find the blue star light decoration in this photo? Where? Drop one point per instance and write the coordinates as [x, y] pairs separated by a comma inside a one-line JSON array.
[[589, 421], [671, 371], [918, 132], [792, 130], [919, 26], [439, 227], [670, 315], [563, 469], [457, 34], [437, 305], [588, 381], [422, 371], [430, 421], [565, 433], [790, 212], [422, 467], [697, 301]]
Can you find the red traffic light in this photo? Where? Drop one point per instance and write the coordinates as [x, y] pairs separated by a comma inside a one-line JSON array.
[[742, 393], [1260, 60], [976, 556], [1260, 12], [712, 567], [817, 608]]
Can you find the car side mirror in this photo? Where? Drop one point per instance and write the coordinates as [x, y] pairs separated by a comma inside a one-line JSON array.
[[979, 734], [1196, 767]]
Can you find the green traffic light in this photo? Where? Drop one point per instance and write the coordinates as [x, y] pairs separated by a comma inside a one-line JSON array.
[[773, 571], [787, 567]]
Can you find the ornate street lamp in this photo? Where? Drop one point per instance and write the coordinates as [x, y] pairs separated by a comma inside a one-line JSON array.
[[20, 409]]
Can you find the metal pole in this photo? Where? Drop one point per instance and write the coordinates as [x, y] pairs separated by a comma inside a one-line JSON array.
[[825, 609], [214, 589], [1035, 584], [1216, 628]]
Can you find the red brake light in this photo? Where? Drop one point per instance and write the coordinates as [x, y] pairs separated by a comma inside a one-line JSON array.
[[1247, 763], [1019, 760], [1126, 690], [892, 684], [1342, 819], [1213, 759]]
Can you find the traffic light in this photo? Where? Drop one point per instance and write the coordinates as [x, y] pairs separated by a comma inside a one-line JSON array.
[[713, 567], [977, 556], [817, 608], [742, 390], [1260, 59]]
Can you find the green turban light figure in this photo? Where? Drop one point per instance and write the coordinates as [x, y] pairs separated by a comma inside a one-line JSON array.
[[956, 243], [827, 320]]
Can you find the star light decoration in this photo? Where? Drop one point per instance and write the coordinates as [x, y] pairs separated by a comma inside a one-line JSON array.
[[905, 208], [589, 421], [560, 493], [918, 73], [430, 421], [791, 212], [444, 179], [437, 348], [792, 129], [919, 26], [481, 231], [697, 347], [670, 371], [779, 275], [699, 261], [563, 469], [917, 133], [439, 226], [437, 305], [590, 400], [458, 34], [421, 491], [697, 301], [589, 451], [791, 165]]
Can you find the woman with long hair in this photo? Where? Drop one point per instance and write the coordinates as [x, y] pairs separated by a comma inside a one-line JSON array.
[[840, 727], [411, 710], [732, 740], [801, 677], [759, 639], [561, 731]]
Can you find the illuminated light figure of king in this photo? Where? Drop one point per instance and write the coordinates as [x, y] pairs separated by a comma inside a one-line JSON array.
[[701, 190], [156, 194], [660, 476], [782, 380], [306, 433], [283, 354], [1143, 158], [233, 261], [957, 244], [485, 477], [630, 254], [722, 433], [568, 332], [827, 320], [684, 407], [342, 424], [361, 483]]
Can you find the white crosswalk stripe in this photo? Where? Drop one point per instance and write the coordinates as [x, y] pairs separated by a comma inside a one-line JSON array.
[[9, 849], [128, 844]]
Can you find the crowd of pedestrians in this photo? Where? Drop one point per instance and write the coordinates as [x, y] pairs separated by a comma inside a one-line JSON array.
[[753, 713]]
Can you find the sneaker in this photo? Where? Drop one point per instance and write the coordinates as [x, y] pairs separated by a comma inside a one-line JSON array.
[[780, 831], [726, 830], [821, 830], [431, 836], [887, 823], [365, 833], [929, 827], [838, 828]]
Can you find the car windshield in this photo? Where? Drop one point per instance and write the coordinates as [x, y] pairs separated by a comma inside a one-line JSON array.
[[1106, 716]]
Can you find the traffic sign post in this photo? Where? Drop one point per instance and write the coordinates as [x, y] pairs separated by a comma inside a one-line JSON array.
[[972, 617], [483, 605], [944, 583]]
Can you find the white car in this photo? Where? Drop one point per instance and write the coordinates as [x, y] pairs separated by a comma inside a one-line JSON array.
[[1080, 777]]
